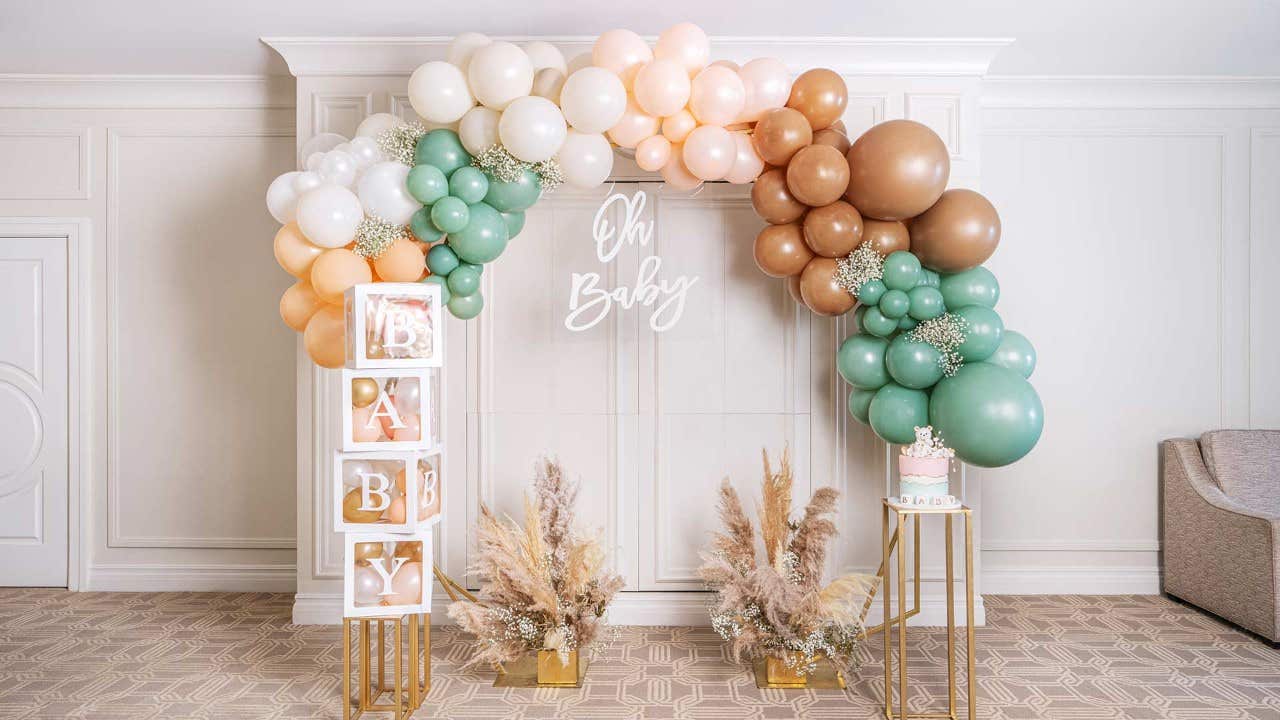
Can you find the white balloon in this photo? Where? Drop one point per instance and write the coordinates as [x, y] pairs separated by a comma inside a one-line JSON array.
[[328, 215], [338, 167], [376, 124], [545, 55], [532, 128], [586, 159], [383, 193], [282, 199], [322, 143], [548, 83], [577, 62], [438, 92], [353, 469], [499, 73], [365, 151], [408, 396], [306, 180], [479, 129], [463, 47], [313, 161], [593, 100]]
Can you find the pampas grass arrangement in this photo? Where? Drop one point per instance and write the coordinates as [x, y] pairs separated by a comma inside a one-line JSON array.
[[544, 585], [780, 607]]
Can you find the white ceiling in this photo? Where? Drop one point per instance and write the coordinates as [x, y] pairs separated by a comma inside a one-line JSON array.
[[1084, 37]]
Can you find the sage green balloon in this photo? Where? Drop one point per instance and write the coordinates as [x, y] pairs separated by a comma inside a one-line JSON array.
[[860, 361], [441, 148], [478, 267], [484, 238], [929, 278], [871, 291], [450, 214], [515, 222], [464, 281], [441, 260], [518, 195], [445, 294], [422, 227], [975, 286], [465, 307], [913, 364], [469, 185], [858, 312], [982, 333], [1015, 353], [860, 404], [990, 415], [907, 323], [895, 413], [874, 322], [901, 270], [426, 183], [926, 302], [894, 304]]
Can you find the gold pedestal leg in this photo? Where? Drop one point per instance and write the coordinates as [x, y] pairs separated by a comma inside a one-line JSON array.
[[346, 669], [426, 655], [364, 665], [885, 625], [413, 662], [382, 658], [400, 709], [902, 615], [968, 609], [951, 624]]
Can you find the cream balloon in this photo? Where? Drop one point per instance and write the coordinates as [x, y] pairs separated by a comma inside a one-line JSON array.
[[686, 44], [463, 47], [767, 85], [676, 175], [282, 199], [328, 215], [621, 52], [545, 55], [499, 73], [366, 152], [383, 193], [479, 129], [532, 128], [593, 100], [653, 152], [438, 92], [747, 163], [306, 180], [338, 167], [718, 96], [318, 144], [634, 125], [709, 152], [586, 159], [312, 162], [547, 83], [662, 87], [376, 124], [578, 62], [677, 127]]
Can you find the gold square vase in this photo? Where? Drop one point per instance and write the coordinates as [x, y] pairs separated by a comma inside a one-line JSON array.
[[772, 672], [553, 672], [542, 669]]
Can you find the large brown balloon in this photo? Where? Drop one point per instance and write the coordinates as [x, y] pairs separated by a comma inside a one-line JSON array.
[[820, 94], [886, 236], [779, 134], [897, 169], [793, 289], [817, 175], [773, 201], [836, 136], [833, 230], [821, 292], [959, 232], [780, 250]]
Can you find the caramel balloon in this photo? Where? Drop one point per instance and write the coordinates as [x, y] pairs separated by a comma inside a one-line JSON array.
[[897, 169], [821, 292], [325, 337], [409, 549], [793, 289], [833, 230], [886, 236], [366, 551], [298, 304], [817, 175], [959, 232], [835, 136], [773, 201], [820, 95], [780, 250], [779, 134]]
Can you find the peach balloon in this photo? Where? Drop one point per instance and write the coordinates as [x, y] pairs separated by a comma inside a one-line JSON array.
[[294, 252], [662, 87], [686, 44], [635, 125], [298, 304], [621, 52], [717, 97], [677, 127], [335, 271], [325, 337], [395, 511], [402, 262], [653, 152], [726, 63], [676, 174], [709, 152], [364, 428], [767, 85], [412, 430], [406, 585], [747, 164]]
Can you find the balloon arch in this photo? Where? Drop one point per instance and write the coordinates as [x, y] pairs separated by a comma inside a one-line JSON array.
[[864, 225]]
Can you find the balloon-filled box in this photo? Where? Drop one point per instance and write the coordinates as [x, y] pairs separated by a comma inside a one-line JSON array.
[[390, 410], [386, 574], [394, 325], [394, 492]]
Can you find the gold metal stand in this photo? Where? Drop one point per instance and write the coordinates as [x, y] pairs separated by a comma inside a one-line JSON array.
[[905, 514]]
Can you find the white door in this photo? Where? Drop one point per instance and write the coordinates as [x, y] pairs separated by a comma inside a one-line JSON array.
[[33, 411]]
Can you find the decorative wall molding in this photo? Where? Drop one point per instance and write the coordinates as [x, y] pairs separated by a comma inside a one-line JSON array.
[[186, 577], [1140, 92], [145, 92], [1041, 579], [75, 182]]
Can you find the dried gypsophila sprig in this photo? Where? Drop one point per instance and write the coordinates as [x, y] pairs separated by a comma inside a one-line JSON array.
[[400, 142], [858, 267], [505, 167], [374, 236], [945, 333]]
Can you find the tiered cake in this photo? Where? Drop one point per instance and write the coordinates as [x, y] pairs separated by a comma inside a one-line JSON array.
[[923, 471]]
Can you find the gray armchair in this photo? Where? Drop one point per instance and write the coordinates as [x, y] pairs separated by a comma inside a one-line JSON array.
[[1221, 528]]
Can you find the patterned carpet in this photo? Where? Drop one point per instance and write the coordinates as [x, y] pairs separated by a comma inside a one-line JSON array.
[[234, 656]]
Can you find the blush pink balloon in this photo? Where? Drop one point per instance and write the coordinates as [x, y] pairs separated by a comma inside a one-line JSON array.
[[635, 125], [361, 420], [717, 96], [662, 87], [621, 52], [412, 430], [366, 585], [677, 127], [726, 63], [709, 152], [685, 43], [406, 585], [676, 174], [653, 152], [767, 85], [747, 163]]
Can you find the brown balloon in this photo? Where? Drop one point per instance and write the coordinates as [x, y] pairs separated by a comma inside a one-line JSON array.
[[779, 134], [821, 292], [817, 175], [773, 201], [897, 169], [837, 139], [793, 289], [820, 94], [959, 232], [781, 251], [833, 230], [886, 236]]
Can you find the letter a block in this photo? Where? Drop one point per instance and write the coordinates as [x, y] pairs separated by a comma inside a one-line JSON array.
[[388, 410]]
